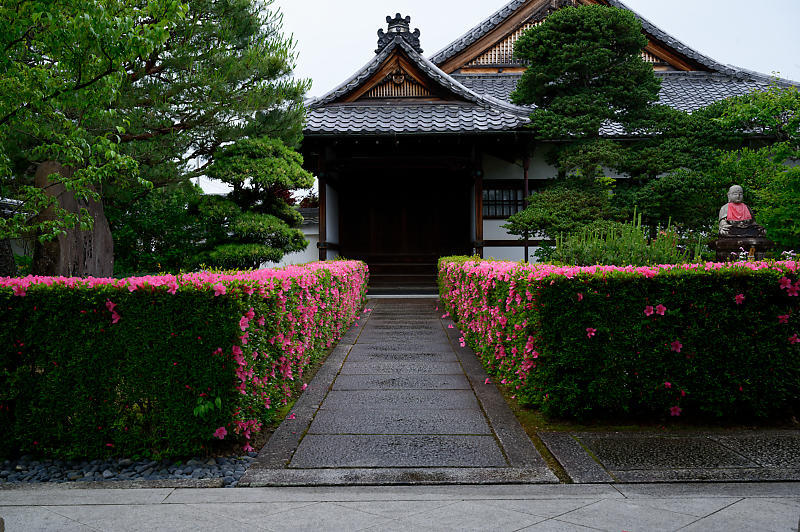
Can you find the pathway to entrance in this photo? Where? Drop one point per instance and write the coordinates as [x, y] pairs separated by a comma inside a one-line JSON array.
[[399, 401]]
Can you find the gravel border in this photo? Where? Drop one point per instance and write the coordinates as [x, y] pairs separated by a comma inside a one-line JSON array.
[[28, 469]]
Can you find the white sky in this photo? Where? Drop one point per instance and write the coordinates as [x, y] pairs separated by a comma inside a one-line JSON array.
[[336, 38]]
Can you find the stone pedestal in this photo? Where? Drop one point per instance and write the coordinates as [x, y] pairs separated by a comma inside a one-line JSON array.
[[729, 248]]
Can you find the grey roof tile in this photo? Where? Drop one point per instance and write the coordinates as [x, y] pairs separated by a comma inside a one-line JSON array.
[[387, 119], [686, 91]]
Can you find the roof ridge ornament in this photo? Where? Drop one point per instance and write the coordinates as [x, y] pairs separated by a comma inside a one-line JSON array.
[[399, 26]]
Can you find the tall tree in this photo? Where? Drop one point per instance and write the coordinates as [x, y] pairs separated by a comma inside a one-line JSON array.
[[223, 75], [585, 70], [60, 68]]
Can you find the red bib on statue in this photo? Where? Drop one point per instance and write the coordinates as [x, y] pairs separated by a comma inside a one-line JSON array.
[[738, 212]]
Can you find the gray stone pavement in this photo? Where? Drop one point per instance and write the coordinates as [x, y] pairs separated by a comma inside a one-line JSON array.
[[399, 401], [554, 507]]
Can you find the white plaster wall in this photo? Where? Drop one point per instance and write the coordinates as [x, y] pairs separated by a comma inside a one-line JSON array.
[[310, 254], [493, 231], [504, 253], [331, 214], [495, 168]]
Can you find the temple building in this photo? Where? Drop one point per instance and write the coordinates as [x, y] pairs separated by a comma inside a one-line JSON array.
[[420, 157]]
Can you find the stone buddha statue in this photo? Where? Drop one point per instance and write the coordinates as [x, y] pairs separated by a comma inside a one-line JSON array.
[[736, 219]]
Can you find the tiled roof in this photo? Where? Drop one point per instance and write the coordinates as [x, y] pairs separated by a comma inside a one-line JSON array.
[[445, 81], [686, 91], [506, 11], [389, 119], [468, 111], [477, 32]]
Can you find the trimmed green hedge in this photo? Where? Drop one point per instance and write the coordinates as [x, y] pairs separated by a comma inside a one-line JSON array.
[[161, 366], [712, 341]]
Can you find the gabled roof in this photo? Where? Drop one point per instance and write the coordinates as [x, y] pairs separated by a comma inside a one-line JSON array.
[[472, 36], [460, 110], [505, 13], [480, 103]]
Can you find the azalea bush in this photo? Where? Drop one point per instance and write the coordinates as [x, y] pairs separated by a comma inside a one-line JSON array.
[[162, 366], [712, 341]]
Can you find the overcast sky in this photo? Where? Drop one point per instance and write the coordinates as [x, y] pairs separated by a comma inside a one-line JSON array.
[[335, 38]]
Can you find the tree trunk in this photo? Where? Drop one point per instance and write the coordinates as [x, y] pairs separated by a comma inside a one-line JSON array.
[[8, 268], [77, 253]]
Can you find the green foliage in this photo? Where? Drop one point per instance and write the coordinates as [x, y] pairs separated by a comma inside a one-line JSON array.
[[689, 199], [586, 68], [562, 208], [612, 243], [223, 74], [61, 68], [179, 228], [734, 362], [780, 211], [92, 371], [594, 343]]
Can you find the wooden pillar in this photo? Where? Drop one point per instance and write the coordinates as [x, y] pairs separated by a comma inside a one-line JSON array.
[[479, 213], [526, 164]]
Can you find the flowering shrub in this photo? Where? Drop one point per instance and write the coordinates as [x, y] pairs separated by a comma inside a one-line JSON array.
[[162, 365], [709, 340]]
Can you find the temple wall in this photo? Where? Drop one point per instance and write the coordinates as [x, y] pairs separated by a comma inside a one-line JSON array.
[[310, 254], [332, 220]]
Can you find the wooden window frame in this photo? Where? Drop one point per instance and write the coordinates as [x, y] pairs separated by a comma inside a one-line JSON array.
[[491, 185]]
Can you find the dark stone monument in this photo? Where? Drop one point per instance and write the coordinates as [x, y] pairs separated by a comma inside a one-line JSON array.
[[738, 231]]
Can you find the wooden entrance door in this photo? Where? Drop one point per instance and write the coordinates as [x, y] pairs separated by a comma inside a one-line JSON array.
[[400, 225]]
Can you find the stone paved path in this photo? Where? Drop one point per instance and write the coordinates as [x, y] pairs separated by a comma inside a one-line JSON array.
[[399, 401]]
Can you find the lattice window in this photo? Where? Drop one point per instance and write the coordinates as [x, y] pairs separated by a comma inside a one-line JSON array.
[[650, 58], [502, 200], [503, 52], [398, 85]]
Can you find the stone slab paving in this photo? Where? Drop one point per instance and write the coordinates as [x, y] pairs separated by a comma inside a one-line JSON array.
[[708, 507], [657, 457], [399, 402]]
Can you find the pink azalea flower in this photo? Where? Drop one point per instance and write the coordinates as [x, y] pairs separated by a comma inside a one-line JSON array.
[[18, 290], [487, 381], [783, 319], [739, 299], [580, 296], [676, 346], [661, 309], [675, 410], [304, 386], [219, 289], [648, 310], [291, 416], [794, 290], [785, 283], [450, 326], [221, 433], [115, 317], [794, 339], [590, 332], [667, 385], [247, 448], [445, 315]]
